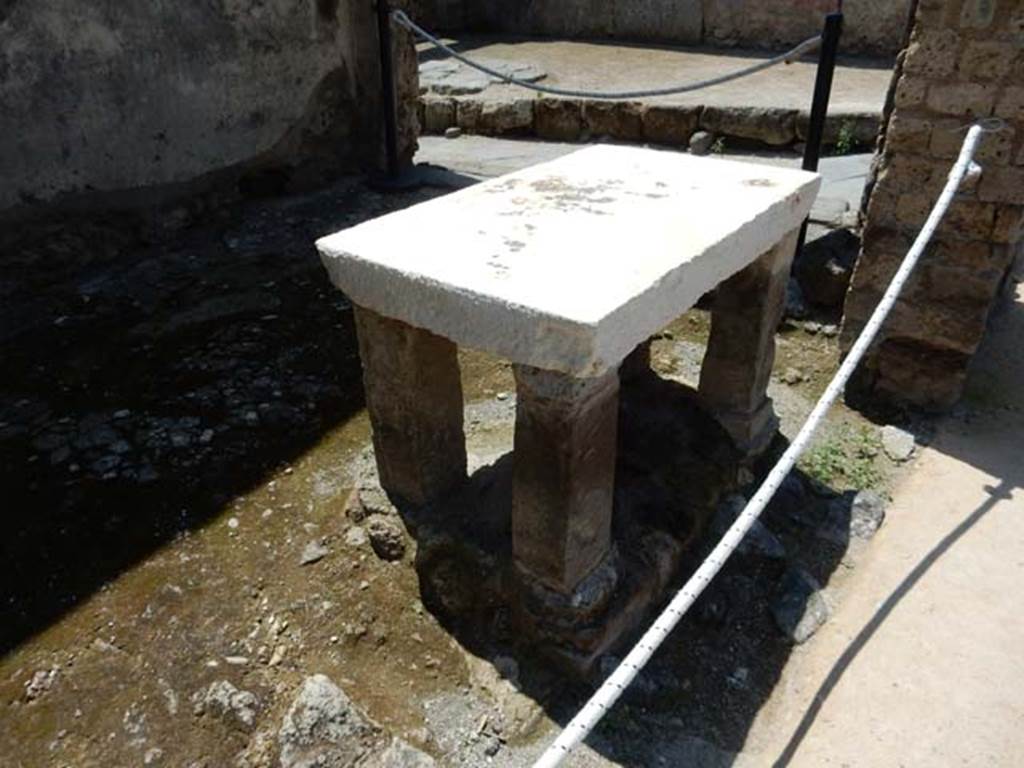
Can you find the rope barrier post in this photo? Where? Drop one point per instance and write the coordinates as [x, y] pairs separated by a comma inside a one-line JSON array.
[[388, 94], [819, 106]]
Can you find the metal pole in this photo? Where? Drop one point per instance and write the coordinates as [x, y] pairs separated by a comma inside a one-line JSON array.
[[819, 107], [388, 96]]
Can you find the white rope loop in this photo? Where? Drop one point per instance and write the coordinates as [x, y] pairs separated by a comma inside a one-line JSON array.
[[808, 45], [612, 688]]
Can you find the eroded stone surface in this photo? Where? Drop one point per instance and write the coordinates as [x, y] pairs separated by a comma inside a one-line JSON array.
[[452, 78]]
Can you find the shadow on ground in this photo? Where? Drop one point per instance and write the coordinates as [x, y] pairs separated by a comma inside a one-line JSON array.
[[152, 371]]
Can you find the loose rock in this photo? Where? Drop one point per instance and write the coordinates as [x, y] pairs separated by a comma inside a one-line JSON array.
[[701, 143], [758, 541], [386, 538], [798, 606], [867, 514], [323, 728], [223, 700], [792, 376], [356, 536], [401, 754], [897, 443], [313, 552]]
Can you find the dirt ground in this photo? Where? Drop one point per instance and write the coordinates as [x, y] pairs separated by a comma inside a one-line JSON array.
[[181, 431]]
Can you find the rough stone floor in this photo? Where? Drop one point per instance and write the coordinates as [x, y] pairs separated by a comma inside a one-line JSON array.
[[193, 575]]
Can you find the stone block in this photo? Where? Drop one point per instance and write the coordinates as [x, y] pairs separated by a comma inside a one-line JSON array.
[[1011, 104], [1009, 226], [908, 133], [978, 14], [558, 119], [902, 172], [910, 91], [414, 397], [564, 475], [946, 139], [968, 219], [933, 54], [493, 265], [861, 127], [919, 374], [670, 124], [438, 114], [987, 60], [615, 119], [1002, 185], [966, 99], [507, 116], [776, 127], [957, 326], [467, 114]]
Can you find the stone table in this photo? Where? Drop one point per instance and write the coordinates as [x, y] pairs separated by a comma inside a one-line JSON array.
[[566, 268]]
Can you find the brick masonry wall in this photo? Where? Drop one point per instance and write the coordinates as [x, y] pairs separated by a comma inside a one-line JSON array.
[[965, 61]]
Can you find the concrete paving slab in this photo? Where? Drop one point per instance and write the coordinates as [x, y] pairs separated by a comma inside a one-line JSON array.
[[542, 267]]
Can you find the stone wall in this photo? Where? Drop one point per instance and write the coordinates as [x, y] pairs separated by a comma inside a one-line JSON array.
[[873, 27], [112, 96], [965, 60]]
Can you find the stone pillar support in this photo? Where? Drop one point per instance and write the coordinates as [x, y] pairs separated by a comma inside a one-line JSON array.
[[564, 476], [741, 350], [637, 365], [414, 396]]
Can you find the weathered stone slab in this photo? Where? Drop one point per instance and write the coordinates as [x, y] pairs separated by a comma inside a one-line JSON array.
[[568, 265], [452, 78]]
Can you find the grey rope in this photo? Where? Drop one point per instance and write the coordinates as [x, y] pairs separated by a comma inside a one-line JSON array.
[[808, 45]]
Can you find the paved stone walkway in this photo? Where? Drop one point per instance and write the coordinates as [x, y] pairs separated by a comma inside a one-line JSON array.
[[922, 663]]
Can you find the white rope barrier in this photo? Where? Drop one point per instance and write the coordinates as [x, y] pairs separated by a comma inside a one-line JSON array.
[[612, 688], [805, 47]]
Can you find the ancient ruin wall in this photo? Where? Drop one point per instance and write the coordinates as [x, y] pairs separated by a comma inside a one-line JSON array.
[[873, 27], [108, 95], [965, 61]]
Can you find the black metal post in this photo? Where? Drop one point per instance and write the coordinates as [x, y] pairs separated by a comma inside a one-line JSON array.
[[388, 95], [822, 94]]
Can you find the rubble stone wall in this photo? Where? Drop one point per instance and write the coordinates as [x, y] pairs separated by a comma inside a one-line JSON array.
[[873, 27], [964, 61], [112, 97]]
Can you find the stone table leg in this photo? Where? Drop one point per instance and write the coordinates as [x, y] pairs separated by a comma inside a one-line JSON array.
[[564, 476], [637, 365], [414, 396], [741, 350]]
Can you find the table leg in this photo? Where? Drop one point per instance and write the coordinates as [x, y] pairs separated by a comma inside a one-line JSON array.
[[738, 363], [564, 476], [414, 396]]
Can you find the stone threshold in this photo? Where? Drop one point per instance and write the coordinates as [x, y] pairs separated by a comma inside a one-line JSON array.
[[653, 122]]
